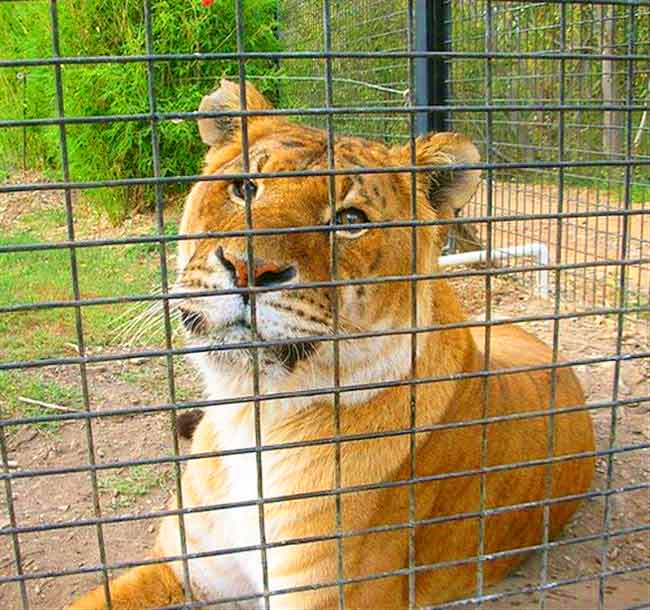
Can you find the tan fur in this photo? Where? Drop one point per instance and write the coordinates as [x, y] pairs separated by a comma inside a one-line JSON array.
[[151, 586], [277, 146]]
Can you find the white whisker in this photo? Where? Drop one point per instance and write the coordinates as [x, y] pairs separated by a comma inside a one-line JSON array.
[[148, 328], [136, 324], [151, 308], [134, 307]]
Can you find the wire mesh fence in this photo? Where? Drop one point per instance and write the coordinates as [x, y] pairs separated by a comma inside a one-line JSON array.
[[354, 449], [525, 84]]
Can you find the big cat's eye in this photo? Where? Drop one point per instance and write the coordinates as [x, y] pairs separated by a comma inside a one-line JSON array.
[[239, 187], [351, 216]]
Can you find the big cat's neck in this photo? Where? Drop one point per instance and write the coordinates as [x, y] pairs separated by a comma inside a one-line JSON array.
[[451, 348], [364, 363]]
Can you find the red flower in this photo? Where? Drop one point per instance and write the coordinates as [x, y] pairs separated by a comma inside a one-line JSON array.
[[207, 3]]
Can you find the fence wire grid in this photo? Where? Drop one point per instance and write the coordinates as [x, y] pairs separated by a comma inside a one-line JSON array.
[[93, 372]]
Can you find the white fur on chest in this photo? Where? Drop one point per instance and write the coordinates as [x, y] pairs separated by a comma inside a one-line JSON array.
[[240, 573]]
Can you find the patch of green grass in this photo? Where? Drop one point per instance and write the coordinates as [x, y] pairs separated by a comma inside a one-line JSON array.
[[169, 228], [16, 385], [38, 276], [129, 484], [30, 277], [42, 222], [640, 193]]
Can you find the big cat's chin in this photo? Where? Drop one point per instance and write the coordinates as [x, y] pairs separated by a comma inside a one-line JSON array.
[[220, 351]]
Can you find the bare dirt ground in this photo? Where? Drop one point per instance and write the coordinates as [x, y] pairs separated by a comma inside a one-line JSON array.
[[66, 500]]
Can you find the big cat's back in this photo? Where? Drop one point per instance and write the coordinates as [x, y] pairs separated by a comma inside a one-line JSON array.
[[512, 344], [537, 386], [513, 348]]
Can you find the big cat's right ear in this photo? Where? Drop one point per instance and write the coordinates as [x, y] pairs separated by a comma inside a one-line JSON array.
[[445, 189], [218, 130]]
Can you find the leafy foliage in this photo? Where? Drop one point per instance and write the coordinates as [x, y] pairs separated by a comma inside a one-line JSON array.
[[122, 149]]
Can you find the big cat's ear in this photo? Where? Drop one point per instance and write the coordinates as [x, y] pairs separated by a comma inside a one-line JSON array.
[[446, 189], [223, 129]]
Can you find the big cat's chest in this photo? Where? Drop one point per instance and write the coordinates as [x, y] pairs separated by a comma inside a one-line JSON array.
[[238, 472]]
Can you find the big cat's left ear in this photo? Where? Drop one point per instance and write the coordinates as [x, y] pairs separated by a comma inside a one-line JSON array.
[[445, 189], [220, 130]]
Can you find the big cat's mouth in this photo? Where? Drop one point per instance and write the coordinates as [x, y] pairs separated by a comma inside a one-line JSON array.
[[193, 321], [197, 323], [292, 353], [286, 353]]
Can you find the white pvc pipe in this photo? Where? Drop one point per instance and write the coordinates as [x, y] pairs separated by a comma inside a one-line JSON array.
[[539, 251]]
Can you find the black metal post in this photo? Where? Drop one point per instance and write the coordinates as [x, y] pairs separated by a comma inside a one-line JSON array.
[[431, 19]]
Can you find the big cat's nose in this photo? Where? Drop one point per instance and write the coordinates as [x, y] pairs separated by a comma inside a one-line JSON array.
[[265, 273]]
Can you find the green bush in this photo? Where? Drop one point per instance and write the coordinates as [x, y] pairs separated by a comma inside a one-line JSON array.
[[113, 27]]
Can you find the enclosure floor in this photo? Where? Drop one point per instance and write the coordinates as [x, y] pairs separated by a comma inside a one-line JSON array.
[[69, 497]]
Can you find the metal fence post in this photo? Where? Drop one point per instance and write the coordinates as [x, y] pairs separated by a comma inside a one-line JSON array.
[[431, 19]]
